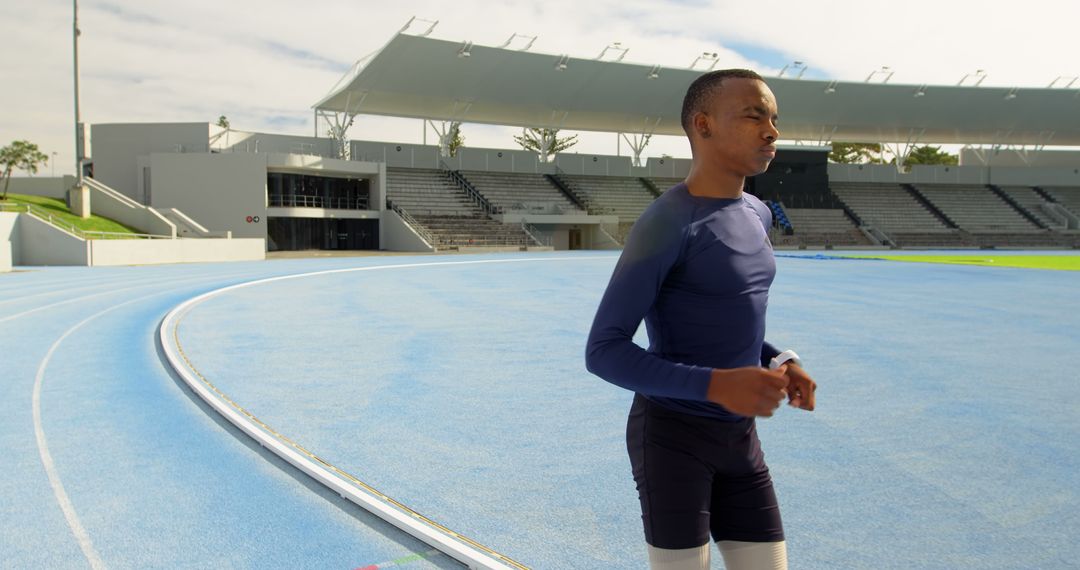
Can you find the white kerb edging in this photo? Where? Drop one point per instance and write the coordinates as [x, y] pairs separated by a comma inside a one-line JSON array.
[[449, 545]]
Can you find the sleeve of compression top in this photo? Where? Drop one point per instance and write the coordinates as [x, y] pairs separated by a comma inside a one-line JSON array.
[[768, 352], [652, 249]]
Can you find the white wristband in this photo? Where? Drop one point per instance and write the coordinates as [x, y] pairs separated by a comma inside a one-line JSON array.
[[786, 356]]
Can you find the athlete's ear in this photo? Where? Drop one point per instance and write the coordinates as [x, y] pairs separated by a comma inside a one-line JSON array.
[[701, 124]]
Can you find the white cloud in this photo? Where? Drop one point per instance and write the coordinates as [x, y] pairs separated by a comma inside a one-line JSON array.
[[263, 63]]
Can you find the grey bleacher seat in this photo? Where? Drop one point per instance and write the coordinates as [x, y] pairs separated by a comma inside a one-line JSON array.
[[892, 210], [1031, 202], [977, 209], [888, 207], [520, 192], [664, 184], [427, 192], [824, 226], [625, 197], [1066, 196], [444, 210]]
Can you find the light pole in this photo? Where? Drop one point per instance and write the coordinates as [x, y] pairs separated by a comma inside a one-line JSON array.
[[78, 119], [54, 164], [80, 198]]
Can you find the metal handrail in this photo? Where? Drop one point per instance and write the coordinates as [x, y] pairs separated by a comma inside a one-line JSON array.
[[306, 201], [484, 241], [474, 194], [531, 231], [582, 198], [412, 222], [610, 236], [48, 218]]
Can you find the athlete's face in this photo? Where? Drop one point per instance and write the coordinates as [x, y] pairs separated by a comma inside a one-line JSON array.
[[738, 132]]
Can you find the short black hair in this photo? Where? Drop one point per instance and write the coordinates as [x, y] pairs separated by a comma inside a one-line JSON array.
[[702, 90]]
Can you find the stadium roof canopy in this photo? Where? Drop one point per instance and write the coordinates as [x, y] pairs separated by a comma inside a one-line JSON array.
[[425, 78]]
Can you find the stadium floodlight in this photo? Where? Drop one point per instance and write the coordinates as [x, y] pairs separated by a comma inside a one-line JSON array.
[[560, 65], [885, 70], [532, 39], [466, 50], [1072, 79], [617, 46], [831, 87], [1011, 94], [654, 72], [980, 74], [793, 66], [706, 56], [920, 91]]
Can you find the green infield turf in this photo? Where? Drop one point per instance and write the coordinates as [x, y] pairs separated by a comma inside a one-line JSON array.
[[1056, 262]]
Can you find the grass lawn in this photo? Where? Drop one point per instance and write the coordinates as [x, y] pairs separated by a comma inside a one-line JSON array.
[[59, 210], [1056, 262]]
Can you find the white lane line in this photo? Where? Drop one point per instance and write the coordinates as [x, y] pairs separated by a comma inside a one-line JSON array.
[[62, 498], [451, 543], [111, 291]]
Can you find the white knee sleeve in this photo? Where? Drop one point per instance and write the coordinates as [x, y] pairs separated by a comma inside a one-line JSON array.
[[753, 555], [679, 559]]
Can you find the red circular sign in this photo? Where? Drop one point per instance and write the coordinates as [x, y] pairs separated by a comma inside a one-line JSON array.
[[249, 219]]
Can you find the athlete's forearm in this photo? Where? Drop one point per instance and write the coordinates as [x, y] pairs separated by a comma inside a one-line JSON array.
[[614, 357]]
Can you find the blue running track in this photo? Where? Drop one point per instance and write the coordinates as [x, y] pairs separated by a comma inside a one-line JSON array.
[[947, 434]]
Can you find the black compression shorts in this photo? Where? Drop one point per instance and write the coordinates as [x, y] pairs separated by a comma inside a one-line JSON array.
[[698, 477]]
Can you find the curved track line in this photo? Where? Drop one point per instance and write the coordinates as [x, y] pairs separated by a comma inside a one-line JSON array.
[[57, 485], [84, 297], [62, 498], [454, 544]]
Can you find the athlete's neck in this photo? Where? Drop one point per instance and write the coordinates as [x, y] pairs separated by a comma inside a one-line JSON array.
[[709, 182]]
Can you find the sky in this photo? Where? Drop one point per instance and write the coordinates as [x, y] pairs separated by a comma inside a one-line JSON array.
[[263, 63]]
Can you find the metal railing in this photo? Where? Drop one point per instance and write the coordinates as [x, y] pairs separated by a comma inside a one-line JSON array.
[[49, 218], [535, 235], [304, 201], [412, 222], [486, 241], [575, 195], [477, 198], [612, 233]]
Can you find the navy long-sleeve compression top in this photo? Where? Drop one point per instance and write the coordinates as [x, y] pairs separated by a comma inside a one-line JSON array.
[[698, 271]]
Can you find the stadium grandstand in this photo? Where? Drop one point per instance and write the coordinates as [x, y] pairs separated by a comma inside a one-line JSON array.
[[333, 193]]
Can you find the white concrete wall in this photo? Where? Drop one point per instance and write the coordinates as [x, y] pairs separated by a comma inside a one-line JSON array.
[[396, 154], [243, 141], [594, 164], [41, 243], [967, 175], [1035, 176], [9, 239], [5, 256], [499, 160], [127, 211], [49, 187], [219, 191], [668, 167], [396, 235], [1007, 157], [919, 174], [118, 146], [159, 251]]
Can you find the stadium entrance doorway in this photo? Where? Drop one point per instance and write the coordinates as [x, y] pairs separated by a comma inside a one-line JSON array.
[[574, 236], [297, 234]]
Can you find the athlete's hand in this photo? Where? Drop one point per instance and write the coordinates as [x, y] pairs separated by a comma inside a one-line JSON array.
[[800, 387], [749, 391]]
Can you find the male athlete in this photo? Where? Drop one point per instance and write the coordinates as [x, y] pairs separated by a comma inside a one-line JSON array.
[[697, 267]]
